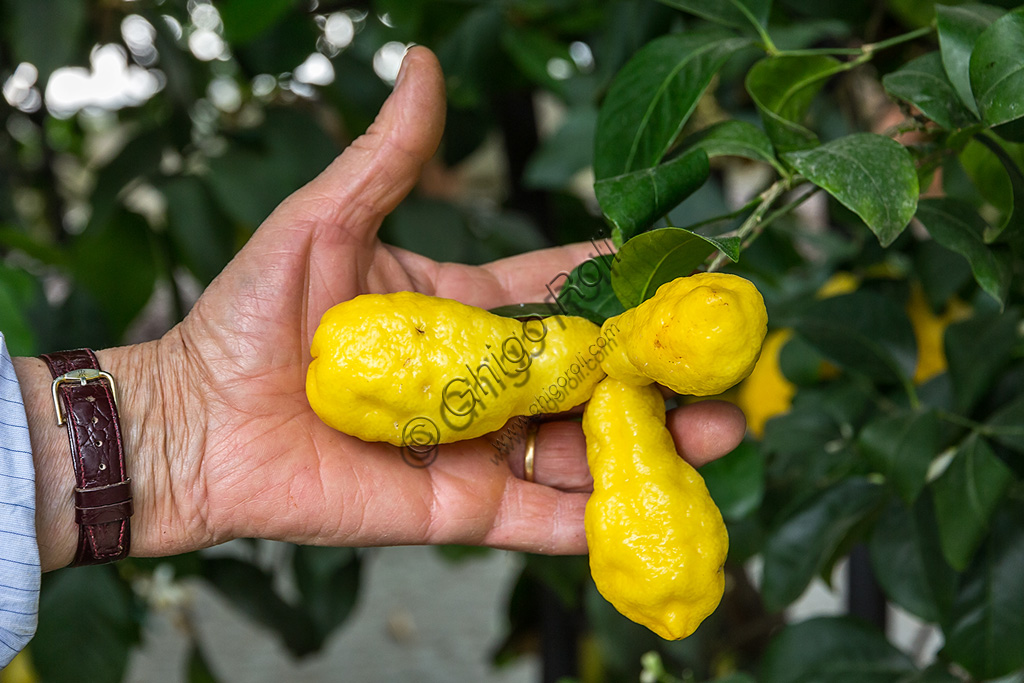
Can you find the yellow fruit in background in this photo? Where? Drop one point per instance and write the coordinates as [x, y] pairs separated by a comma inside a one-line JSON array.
[[929, 330], [657, 541], [698, 335], [20, 670], [412, 369], [766, 393]]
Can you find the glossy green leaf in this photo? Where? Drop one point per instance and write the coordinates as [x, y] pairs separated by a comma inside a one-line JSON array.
[[735, 13], [1012, 204], [987, 625], [863, 332], [783, 89], [872, 175], [45, 33], [902, 448], [833, 650], [977, 352], [734, 138], [89, 629], [907, 560], [997, 72], [957, 226], [924, 84], [736, 481], [245, 20], [653, 96], [966, 496], [587, 291], [632, 202], [648, 261], [803, 543], [959, 28]]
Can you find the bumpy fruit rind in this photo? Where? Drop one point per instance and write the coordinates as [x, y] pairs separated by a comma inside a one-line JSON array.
[[657, 541]]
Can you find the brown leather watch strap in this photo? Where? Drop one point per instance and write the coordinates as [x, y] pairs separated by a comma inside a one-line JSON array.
[[85, 398]]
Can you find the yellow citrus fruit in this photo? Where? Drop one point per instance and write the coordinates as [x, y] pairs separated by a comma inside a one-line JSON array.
[[697, 335], [657, 541], [412, 369], [20, 670], [929, 330], [766, 393]]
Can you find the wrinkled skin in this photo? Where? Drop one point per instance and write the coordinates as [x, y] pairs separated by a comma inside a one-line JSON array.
[[223, 442]]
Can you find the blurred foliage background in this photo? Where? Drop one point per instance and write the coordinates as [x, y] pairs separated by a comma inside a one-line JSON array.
[[144, 140]]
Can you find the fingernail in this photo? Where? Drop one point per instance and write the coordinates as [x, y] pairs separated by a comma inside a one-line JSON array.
[[405, 64]]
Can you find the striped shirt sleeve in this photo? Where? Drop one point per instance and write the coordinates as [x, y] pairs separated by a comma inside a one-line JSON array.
[[19, 554]]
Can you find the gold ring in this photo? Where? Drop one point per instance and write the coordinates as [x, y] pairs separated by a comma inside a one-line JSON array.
[[531, 447]]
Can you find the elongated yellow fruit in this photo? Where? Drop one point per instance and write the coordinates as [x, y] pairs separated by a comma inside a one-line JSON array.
[[656, 538], [417, 370]]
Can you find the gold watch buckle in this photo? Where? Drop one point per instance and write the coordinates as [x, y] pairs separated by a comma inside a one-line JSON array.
[[83, 377]]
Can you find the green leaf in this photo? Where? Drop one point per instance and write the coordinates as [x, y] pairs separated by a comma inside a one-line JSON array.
[[648, 261], [803, 543], [734, 138], [653, 96], [966, 496], [245, 20], [959, 28], [632, 202], [924, 84], [987, 628], [783, 89], [198, 668], [328, 580], [201, 234], [45, 33], [864, 332], [907, 559], [735, 13], [525, 311], [562, 155], [872, 175], [736, 481], [833, 650], [86, 627], [977, 352], [902, 448], [957, 226], [587, 291], [18, 291], [1012, 204], [1007, 425], [997, 73]]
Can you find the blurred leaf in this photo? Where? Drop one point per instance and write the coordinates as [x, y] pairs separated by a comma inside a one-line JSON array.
[[986, 627], [1013, 201], [907, 559], [275, 47], [902, 448], [783, 89], [18, 291], [46, 33], [1006, 426], [462, 553], [736, 481], [965, 496], [532, 51], [800, 546], [977, 351], [959, 28], [139, 158], [633, 201], [957, 226], [561, 156], [525, 311], [833, 650], [251, 591], [648, 261], [201, 234], [470, 56], [864, 332], [997, 75], [735, 13], [86, 629], [328, 580], [734, 138], [117, 266], [587, 291], [924, 84], [245, 20], [564, 576], [872, 175], [198, 669], [653, 96]]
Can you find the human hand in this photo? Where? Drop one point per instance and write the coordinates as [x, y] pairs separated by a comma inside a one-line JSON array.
[[222, 441]]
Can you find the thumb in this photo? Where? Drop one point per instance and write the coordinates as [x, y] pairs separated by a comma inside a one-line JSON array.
[[374, 174]]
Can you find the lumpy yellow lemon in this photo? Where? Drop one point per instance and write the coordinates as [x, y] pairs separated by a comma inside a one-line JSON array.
[[697, 335], [412, 369], [657, 541], [929, 330], [766, 392]]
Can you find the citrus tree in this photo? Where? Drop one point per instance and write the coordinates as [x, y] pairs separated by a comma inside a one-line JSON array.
[[860, 162]]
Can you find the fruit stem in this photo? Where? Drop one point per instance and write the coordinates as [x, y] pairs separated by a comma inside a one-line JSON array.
[[754, 220]]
